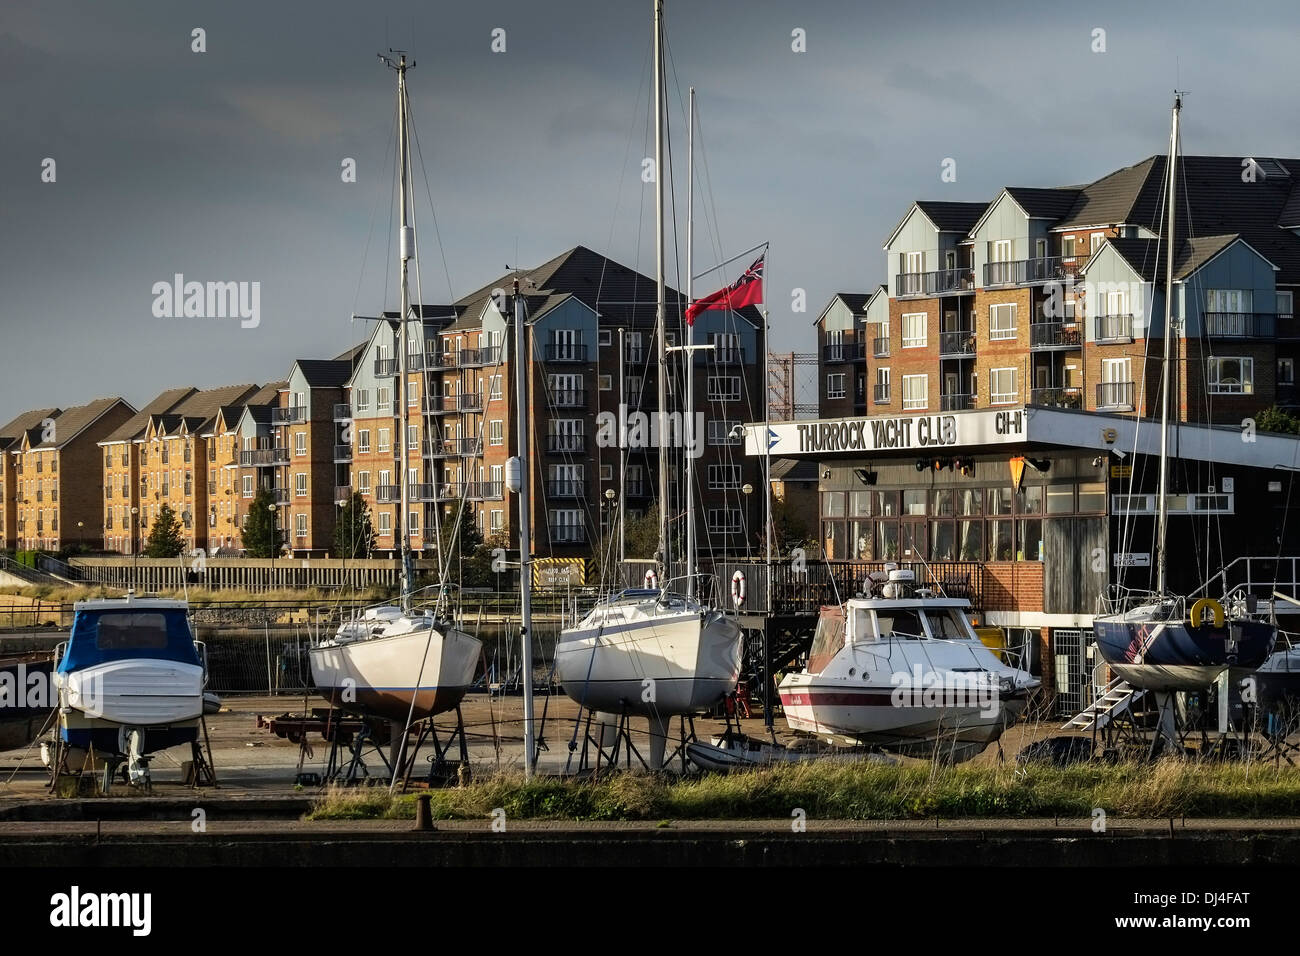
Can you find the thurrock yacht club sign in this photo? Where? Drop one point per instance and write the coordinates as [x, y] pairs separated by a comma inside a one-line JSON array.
[[898, 433]]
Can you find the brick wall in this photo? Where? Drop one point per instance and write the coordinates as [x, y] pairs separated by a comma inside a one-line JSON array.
[[1013, 586]]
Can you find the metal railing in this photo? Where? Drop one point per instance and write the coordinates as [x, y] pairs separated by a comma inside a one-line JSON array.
[[342, 494], [880, 346], [342, 453], [955, 402], [880, 394], [937, 282], [565, 352], [342, 413], [566, 443], [1053, 335], [1115, 395], [1056, 397], [567, 488], [844, 352], [1240, 325], [289, 415], [485, 489], [957, 342], [569, 398], [1113, 329], [263, 457]]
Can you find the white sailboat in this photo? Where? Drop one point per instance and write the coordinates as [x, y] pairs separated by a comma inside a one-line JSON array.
[[653, 652], [399, 663]]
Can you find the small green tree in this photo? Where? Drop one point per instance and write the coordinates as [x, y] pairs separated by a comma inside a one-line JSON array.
[[1276, 420], [261, 533], [789, 528], [641, 535], [354, 534], [165, 536]]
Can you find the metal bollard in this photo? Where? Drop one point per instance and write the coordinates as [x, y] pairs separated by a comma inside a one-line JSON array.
[[423, 813]]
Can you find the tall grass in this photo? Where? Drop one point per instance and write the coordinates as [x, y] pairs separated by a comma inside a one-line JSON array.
[[866, 791]]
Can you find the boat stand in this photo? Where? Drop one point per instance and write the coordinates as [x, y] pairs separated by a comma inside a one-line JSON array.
[[686, 735], [441, 770], [622, 740], [202, 771], [355, 745]]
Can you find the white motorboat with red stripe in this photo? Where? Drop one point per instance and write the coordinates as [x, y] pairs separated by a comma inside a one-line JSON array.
[[905, 671]]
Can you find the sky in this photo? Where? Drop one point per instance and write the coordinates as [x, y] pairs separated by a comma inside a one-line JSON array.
[[226, 165]]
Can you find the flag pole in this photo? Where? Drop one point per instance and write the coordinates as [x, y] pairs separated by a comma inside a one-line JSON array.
[[688, 419]]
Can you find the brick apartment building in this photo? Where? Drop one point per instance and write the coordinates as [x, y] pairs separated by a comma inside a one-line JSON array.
[[10, 435], [591, 329], [1055, 297], [58, 480]]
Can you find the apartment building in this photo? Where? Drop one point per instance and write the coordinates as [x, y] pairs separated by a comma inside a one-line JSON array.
[[842, 344], [592, 364], [59, 476], [225, 509], [1055, 297], [10, 435], [160, 456]]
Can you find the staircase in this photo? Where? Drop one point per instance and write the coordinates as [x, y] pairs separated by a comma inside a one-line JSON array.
[[1116, 698]]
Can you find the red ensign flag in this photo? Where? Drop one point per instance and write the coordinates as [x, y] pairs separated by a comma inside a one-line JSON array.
[[747, 290]]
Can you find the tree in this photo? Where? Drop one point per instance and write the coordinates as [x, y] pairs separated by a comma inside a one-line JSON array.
[[790, 528], [641, 535], [261, 532], [354, 534], [165, 536], [1276, 420]]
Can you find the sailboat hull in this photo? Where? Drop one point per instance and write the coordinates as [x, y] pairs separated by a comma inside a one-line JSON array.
[[1173, 655], [431, 668], [678, 664]]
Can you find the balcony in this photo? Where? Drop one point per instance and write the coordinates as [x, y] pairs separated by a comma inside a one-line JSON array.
[[959, 343], [280, 496], [421, 492], [568, 534], [843, 352], [449, 491], [563, 444], [387, 367], [565, 352], [636, 489], [880, 394], [1056, 397], [1117, 396], [1053, 335], [726, 355], [452, 447], [634, 354], [290, 415], [939, 282], [880, 346], [1030, 271], [1113, 329], [342, 494], [1240, 325], [387, 494], [474, 358], [956, 402], [264, 457], [343, 413], [342, 454], [569, 398], [431, 361], [485, 489], [567, 488]]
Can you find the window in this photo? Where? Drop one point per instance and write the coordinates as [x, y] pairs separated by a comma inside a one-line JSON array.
[[385, 522], [720, 432], [300, 526], [606, 382], [913, 262], [300, 444], [385, 439], [1000, 250], [363, 440], [724, 388], [724, 520], [1094, 242], [1040, 248], [413, 522], [496, 432], [835, 385], [1002, 321], [496, 521], [1002, 386], [916, 391], [724, 477], [914, 330], [603, 337], [362, 396], [1284, 302], [494, 386], [363, 482], [383, 399], [300, 484], [248, 486], [412, 436], [1067, 246], [412, 395], [606, 472], [1286, 371], [1231, 376]]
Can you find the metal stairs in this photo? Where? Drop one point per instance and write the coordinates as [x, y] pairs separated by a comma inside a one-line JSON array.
[[1117, 697]]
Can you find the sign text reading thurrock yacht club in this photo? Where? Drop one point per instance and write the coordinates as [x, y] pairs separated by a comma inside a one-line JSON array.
[[900, 433]]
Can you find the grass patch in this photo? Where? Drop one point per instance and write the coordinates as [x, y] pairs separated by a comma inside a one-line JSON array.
[[867, 791]]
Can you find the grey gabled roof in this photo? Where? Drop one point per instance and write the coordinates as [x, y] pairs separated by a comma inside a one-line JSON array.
[[794, 469], [325, 373], [1147, 256], [952, 216], [73, 421], [12, 432], [856, 301], [1109, 200], [134, 426], [1049, 203]]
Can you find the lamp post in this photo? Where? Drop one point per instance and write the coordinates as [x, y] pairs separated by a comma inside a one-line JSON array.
[[135, 544], [611, 504], [275, 537]]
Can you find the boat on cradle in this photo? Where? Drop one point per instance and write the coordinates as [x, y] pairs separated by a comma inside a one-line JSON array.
[[904, 670], [26, 697], [130, 682], [740, 752], [394, 665]]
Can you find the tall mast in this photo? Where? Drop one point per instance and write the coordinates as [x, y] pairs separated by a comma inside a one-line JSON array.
[[1163, 513], [406, 244], [521, 358], [688, 412], [661, 307]]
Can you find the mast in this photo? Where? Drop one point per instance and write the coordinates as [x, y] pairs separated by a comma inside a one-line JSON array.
[[661, 309], [522, 419], [1163, 513], [689, 408], [622, 454], [406, 237]]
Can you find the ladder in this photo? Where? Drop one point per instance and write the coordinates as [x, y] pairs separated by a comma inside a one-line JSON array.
[[1116, 697]]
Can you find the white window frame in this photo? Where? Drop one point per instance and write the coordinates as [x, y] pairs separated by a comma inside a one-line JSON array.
[[299, 444], [386, 523], [835, 385], [910, 338], [605, 382], [1287, 378], [300, 485], [496, 432], [300, 526], [362, 396], [385, 440], [248, 486], [494, 384], [914, 403], [1003, 396], [363, 441], [719, 431], [383, 399], [1213, 373], [724, 477], [1000, 334], [363, 482], [1094, 242], [604, 337], [1287, 296], [725, 521], [716, 393]]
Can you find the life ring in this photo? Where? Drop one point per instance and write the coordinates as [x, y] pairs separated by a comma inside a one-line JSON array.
[[738, 588], [651, 579], [1199, 608]]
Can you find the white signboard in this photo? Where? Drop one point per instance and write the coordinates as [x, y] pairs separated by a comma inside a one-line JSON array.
[[900, 433], [1130, 559]]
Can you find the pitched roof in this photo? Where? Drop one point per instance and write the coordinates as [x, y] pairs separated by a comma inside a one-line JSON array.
[[134, 426], [952, 216], [794, 469], [73, 421], [1110, 199], [325, 373], [1147, 256], [1050, 203], [12, 431], [352, 355], [856, 301]]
